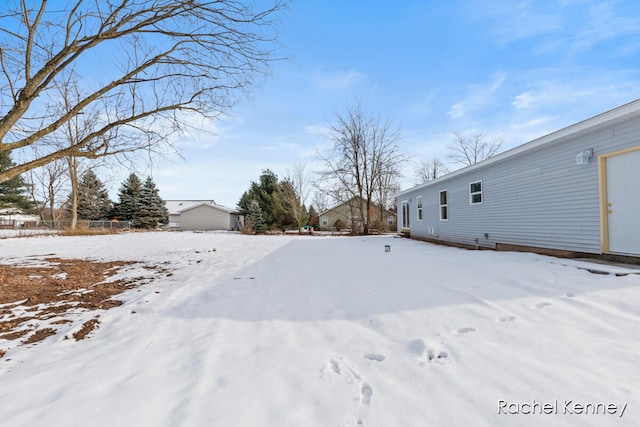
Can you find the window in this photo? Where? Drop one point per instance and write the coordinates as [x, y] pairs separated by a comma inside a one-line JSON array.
[[475, 193], [444, 212], [325, 221], [390, 220], [419, 207]]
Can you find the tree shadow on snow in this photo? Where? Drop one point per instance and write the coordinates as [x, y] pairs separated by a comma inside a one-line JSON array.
[[356, 278]]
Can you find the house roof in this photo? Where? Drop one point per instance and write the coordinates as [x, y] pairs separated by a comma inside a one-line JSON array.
[[178, 206], [349, 201], [609, 118]]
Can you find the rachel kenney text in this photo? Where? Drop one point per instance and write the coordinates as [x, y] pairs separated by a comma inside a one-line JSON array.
[[568, 407]]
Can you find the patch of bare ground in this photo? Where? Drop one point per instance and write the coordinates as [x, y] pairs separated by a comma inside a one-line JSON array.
[[35, 301], [86, 329]]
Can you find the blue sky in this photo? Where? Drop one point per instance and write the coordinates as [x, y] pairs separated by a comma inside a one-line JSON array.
[[513, 69]]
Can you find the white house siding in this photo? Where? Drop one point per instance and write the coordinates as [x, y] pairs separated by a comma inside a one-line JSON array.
[[205, 217], [537, 197]]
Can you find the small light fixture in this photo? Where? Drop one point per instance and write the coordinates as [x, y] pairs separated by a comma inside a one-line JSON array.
[[583, 157]]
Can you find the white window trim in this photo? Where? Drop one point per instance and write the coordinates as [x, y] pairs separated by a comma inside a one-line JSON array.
[[471, 202], [419, 212], [325, 221], [440, 206]]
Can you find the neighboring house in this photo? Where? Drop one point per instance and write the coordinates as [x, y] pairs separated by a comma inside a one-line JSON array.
[[349, 214], [14, 218], [574, 191], [202, 215]]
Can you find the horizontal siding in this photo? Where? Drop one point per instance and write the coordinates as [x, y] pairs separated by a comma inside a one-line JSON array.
[[205, 218], [538, 198]]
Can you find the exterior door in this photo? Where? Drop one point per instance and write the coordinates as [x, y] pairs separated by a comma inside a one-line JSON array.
[[405, 214], [623, 203]]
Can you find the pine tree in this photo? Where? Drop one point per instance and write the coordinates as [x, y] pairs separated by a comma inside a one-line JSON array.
[[266, 194], [129, 205], [153, 210], [12, 192], [93, 198], [255, 219]]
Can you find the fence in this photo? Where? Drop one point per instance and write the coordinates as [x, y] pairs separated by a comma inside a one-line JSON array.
[[12, 224]]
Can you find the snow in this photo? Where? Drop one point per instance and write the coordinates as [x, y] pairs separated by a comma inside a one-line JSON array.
[[331, 331]]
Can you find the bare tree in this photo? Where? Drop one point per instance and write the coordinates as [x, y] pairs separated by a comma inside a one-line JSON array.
[[158, 62], [364, 160], [387, 186], [469, 151], [295, 190], [47, 182], [320, 197], [428, 170], [77, 128]]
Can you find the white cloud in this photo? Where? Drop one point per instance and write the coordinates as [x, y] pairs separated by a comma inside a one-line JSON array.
[[336, 80], [512, 21], [479, 95], [522, 101], [604, 23], [320, 130]]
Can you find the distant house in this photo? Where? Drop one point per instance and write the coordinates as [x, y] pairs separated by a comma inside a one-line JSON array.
[[572, 192], [14, 218], [202, 215], [347, 214]]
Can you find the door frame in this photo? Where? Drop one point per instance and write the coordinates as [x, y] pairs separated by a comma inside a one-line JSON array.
[[602, 183], [407, 211]]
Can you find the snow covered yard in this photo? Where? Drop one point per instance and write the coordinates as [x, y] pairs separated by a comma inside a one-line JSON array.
[[332, 331]]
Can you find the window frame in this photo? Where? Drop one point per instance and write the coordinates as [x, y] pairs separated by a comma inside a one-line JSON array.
[[419, 208], [445, 205], [476, 193]]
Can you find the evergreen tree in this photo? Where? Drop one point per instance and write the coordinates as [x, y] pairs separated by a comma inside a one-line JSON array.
[[13, 192], [129, 205], [93, 198], [254, 218], [153, 210], [266, 194]]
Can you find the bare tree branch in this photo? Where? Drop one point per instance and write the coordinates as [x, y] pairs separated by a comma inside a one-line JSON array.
[[469, 151], [428, 170], [158, 59]]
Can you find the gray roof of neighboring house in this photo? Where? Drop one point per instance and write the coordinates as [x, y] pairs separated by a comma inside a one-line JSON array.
[[177, 206], [349, 201]]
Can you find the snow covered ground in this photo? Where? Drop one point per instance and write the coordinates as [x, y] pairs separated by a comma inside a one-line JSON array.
[[333, 331]]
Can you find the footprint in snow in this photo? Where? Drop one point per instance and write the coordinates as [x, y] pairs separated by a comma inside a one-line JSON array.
[[341, 368], [335, 366], [416, 347], [365, 394], [506, 319], [570, 294], [374, 356], [540, 305], [430, 355], [462, 331]]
